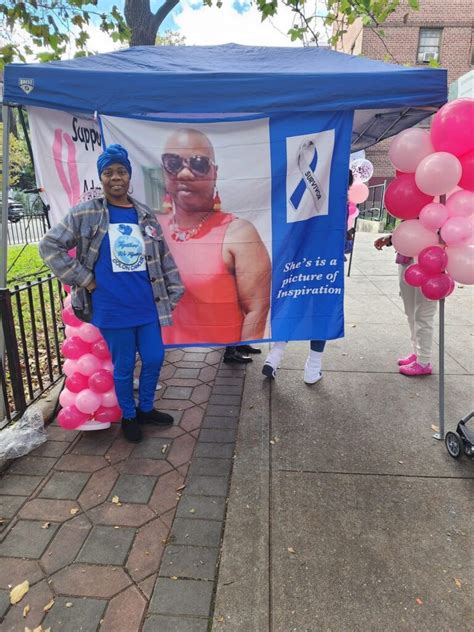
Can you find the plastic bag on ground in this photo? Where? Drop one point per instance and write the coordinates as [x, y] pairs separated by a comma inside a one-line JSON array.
[[23, 436]]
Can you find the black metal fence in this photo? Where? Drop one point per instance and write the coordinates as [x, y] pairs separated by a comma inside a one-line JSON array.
[[32, 331], [373, 208]]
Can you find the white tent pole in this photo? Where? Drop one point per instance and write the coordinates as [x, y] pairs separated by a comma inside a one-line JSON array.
[[5, 178], [4, 231], [441, 386]]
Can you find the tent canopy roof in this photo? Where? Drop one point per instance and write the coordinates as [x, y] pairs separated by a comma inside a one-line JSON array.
[[227, 79]]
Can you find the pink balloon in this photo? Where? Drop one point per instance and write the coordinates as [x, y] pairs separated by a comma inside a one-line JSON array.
[[88, 364], [410, 237], [358, 193], [70, 417], [452, 127], [89, 333], [415, 275], [67, 398], [437, 287], [456, 231], [109, 399], [461, 204], [101, 381], [111, 414], [101, 350], [70, 318], [408, 149], [433, 260], [73, 348], [453, 286], [433, 215], [87, 401], [69, 331], [438, 173], [76, 382], [69, 367], [467, 166], [67, 288], [461, 263], [72, 253], [403, 199], [108, 366]]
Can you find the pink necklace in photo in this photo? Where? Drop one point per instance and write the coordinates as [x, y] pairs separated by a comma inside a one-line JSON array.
[[184, 234]]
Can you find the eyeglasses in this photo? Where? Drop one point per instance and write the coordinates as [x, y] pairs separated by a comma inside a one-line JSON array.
[[197, 165]]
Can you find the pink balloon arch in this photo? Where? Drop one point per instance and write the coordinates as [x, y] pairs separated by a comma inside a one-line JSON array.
[[432, 165], [88, 399]]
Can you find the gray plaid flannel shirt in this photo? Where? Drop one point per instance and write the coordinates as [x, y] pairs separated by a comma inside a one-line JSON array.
[[83, 228]]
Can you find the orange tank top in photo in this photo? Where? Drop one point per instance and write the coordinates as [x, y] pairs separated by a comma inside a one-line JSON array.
[[209, 310]]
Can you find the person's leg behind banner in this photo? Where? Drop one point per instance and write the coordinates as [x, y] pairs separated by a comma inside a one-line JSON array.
[[274, 359], [312, 369], [122, 345], [424, 313], [152, 353]]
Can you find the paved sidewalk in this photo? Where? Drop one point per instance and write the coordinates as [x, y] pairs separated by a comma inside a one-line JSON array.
[[124, 537], [344, 514]]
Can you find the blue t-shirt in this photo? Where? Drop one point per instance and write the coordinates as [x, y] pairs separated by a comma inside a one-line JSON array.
[[123, 296]]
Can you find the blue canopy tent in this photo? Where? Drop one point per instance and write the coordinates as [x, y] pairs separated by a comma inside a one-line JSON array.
[[234, 79]]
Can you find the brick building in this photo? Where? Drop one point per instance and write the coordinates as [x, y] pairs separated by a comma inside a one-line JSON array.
[[442, 30]]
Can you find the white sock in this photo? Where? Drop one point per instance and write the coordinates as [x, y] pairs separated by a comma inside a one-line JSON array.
[[315, 359], [275, 356]]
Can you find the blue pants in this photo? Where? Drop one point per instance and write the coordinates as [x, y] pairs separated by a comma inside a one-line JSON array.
[[123, 345], [317, 345]]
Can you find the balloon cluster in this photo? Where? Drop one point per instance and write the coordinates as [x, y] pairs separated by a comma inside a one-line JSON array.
[[362, 170], [430, 164], [89, 391]]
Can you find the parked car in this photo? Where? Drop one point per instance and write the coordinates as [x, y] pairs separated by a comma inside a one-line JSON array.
[[15, 211]]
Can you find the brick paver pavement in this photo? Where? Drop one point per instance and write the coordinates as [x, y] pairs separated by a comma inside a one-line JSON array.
[[125, 537]]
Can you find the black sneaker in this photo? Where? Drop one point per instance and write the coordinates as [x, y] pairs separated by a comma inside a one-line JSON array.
[[232, 356], [131, 430], [249, 349], [154, 418]]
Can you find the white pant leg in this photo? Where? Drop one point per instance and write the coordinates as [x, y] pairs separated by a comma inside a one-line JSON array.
[[275, 356], [408, 294], [425, 311]]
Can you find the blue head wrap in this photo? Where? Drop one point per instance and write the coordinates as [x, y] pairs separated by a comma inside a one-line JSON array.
[[114, 154]]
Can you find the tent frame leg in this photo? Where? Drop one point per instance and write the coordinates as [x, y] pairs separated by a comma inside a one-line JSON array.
[[441, 388], [4, 233]]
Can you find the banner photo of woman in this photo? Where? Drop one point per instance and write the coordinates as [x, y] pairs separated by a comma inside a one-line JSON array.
[[254, 214]]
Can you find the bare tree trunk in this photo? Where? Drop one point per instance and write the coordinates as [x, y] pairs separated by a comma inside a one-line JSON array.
[[143, 23]]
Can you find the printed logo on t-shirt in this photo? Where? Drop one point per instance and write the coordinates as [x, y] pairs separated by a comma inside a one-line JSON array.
[[127, 248]]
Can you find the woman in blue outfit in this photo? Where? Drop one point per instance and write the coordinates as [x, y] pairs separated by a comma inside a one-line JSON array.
[[123, 279]]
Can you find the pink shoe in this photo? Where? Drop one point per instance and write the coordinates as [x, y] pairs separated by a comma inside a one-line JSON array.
[[415, 369], [408, 360]]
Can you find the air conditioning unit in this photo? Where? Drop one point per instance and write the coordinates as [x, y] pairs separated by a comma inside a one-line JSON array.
[[427, 57]]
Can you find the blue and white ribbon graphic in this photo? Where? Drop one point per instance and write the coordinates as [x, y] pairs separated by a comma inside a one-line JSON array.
[[308, 181]]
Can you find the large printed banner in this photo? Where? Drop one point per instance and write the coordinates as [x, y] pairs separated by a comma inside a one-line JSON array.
[[65, 149], [253, 210]]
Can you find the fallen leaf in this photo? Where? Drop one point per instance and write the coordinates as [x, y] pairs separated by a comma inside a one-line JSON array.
[[116, 527], [192, 511], [272, 442], [17, 593], [115, 500], [291, 550], [174, 577], [220, 619], [164, 448], [419, 601], [46, 525], [458, 582], [26, 609], [434, 428], [69, 604], [27, 629], [49, 605], [180, 488], [74, 511]]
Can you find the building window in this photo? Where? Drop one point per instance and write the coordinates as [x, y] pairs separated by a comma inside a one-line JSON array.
[[429, 45]]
